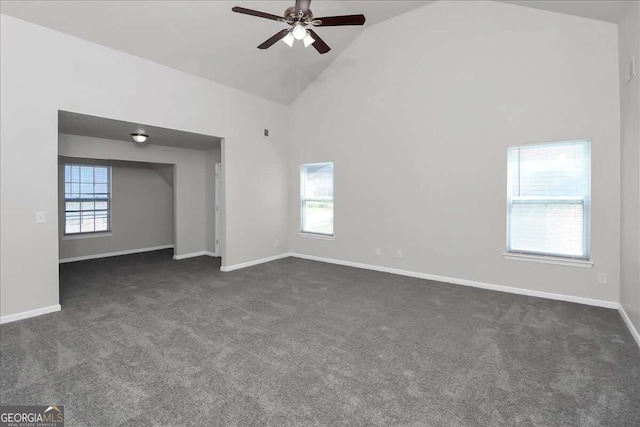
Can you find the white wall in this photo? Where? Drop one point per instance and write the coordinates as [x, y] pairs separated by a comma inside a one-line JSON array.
[[629, 44], [141, 213], [418, 113], [43, 71]]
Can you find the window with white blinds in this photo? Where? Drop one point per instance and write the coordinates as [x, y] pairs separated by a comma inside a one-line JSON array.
[[549, 190], [87, 199]]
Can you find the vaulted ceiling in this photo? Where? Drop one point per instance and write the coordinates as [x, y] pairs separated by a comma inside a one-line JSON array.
[[207, 39]]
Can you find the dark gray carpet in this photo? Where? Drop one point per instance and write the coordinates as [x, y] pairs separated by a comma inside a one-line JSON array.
[[145, 340]]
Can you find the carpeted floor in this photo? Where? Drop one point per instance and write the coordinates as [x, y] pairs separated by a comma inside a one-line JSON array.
[[145, 340]]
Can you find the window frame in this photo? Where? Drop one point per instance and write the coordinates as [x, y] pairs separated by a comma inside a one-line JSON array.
[[303, 200], [586, 203], [81, 234]]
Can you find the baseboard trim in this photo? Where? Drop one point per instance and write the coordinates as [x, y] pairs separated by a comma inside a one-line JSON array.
[[191, 255], [31, 313], [464, 282], [195, 254], [627, 320], [252, 263], [110, 254]]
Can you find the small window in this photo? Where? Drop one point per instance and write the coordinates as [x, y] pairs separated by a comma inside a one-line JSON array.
[[87, 199], [317, 198], [549, 190]]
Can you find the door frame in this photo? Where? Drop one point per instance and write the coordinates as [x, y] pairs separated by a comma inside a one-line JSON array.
[[217, 228]]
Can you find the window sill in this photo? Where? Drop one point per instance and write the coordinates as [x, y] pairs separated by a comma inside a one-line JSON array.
[[316, 236], [583, 263], [86, 236]]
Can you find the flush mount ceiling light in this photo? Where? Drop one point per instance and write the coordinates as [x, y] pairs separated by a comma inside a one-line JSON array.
[[140, 138]]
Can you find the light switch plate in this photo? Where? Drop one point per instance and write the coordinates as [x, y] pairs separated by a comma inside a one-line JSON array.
[[40, 218]]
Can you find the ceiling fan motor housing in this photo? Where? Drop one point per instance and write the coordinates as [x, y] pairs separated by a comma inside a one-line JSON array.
[[290, 15]]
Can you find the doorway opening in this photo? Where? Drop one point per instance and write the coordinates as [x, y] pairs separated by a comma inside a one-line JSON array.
[[119, 197]]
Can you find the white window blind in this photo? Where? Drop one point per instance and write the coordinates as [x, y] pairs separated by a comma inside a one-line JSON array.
[[549, 190], [87, 198], [317, 198]]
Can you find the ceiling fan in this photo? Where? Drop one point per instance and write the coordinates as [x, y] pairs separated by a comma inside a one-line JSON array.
[[299, 17]]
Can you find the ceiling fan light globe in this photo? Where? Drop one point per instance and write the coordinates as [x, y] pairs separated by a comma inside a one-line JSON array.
[[308, 40], [299, 32], [289, 39]]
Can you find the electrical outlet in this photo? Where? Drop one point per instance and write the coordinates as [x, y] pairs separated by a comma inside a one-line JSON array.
[[378, 251], [399, 253], [40, 218], [275, 243], [602, 278]]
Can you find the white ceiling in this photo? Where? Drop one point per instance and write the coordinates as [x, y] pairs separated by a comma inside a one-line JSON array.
[[98, 127], [206, 39], [602, 10]]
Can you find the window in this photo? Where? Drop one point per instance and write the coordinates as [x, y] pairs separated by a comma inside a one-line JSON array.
[[317, 198], [549, 187], [87, 199]]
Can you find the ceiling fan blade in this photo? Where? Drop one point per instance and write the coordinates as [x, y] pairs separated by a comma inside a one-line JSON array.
[[319, 44], [336, 21], [303, 5], [273, 40], [257, 13]]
